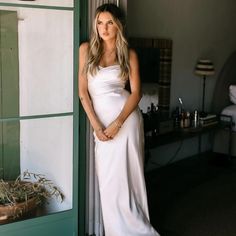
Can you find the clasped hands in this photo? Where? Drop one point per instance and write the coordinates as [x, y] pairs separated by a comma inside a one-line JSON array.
[[105, 134]]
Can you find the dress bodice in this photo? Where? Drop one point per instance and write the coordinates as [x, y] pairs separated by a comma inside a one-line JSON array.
[[105, 81], [107, 93]]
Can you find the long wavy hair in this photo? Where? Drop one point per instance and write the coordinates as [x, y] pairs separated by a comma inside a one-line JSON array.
[[96, 45]]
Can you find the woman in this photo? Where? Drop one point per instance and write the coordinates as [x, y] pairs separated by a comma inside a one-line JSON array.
[[105, 66]]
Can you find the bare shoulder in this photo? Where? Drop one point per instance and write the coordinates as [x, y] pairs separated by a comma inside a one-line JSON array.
[[83, 49], [132, 53], [83, 56], [133, 57]]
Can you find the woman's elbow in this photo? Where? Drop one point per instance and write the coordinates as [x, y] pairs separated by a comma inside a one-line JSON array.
[[82, 94]]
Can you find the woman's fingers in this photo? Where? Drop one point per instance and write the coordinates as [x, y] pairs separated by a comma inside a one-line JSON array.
[[108, 133], [111, 131], [101, 135]]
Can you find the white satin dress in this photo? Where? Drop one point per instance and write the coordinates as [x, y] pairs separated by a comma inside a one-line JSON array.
[[119, 162]]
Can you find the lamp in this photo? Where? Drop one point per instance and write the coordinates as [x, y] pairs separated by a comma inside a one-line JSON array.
[[204, 67]]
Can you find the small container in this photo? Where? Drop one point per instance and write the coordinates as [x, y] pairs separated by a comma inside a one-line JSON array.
[[195, 122], [182, 118], [187, 120], [176, 116]]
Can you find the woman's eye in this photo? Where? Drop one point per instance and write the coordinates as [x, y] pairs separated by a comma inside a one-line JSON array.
[[99, 22], [110, 22]]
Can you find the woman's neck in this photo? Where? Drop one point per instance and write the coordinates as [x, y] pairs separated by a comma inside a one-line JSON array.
[[109, 46], [109, 56]]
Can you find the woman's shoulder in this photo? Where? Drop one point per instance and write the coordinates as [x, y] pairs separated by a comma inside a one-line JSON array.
[[83, 48], [84, 45], [132, 52], [132, 55]]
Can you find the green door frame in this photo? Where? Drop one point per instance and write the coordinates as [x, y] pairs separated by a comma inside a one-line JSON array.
[[83, 23], [70, 222]]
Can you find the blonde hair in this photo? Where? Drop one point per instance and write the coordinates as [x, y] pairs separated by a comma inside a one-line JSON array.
[[96, 46]]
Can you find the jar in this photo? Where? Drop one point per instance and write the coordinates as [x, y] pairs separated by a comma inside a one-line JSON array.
[[187, 120]]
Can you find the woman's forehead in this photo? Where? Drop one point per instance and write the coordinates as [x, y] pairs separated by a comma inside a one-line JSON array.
[[104, 16]]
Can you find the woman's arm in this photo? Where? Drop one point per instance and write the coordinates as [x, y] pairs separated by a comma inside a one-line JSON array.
[[132, 101], [84, 95]]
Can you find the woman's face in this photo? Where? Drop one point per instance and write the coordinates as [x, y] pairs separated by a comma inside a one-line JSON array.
[[106, 27]]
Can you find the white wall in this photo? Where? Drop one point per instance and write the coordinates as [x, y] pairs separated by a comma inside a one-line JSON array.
[[46, 61], [198, 29]]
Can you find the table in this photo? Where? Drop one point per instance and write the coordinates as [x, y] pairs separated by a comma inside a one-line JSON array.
[[178, 134]]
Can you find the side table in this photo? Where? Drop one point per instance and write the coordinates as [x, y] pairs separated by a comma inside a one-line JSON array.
[[180, 134]]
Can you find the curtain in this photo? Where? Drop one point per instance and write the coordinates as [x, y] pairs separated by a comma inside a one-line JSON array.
[[94, 223], [93, 208]]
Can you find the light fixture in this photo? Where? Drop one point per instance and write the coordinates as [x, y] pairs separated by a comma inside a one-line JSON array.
[[204, 68]]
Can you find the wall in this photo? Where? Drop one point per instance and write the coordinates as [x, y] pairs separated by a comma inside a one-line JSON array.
[[198, 29]]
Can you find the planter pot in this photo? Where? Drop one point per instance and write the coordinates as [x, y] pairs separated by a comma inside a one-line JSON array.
[[17, 211], [16, 191]]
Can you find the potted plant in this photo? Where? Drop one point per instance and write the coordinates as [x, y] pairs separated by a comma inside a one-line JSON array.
[[20, 198]]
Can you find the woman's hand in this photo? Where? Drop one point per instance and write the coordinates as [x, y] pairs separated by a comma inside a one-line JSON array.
[[101, 135], [112, 129]]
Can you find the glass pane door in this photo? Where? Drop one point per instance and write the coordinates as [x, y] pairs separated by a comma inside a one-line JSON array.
[[36, 99]]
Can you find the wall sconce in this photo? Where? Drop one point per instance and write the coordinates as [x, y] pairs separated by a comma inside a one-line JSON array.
[[204, 68]]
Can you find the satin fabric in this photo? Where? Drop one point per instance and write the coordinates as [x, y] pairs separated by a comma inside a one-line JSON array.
[[119, 162]]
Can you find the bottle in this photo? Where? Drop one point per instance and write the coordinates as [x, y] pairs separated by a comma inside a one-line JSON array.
[[182, 119], [187, 120], [176, 116], [195, 119]]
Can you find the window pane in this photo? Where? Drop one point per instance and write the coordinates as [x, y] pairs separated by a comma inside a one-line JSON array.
[[36, 64], [59, 3], [45, 53], [46, 146], [41, 146]]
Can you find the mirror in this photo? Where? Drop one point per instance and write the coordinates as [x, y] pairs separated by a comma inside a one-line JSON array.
[[155, 59], [36, 101]]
